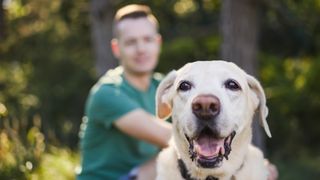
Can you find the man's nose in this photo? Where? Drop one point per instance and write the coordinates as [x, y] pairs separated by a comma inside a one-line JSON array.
[[206, 107], [140, 46]]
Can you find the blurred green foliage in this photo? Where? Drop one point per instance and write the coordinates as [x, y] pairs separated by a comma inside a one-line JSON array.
[[47, 68], [294, 98], [24, 157], [19, 154], [294, 101]]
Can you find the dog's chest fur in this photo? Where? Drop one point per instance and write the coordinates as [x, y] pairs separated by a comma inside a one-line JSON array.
[[252, 167]]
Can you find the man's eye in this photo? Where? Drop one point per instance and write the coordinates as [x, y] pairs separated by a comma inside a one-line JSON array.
[[149, 39], [185, 86], [232, 85], [130, 42]]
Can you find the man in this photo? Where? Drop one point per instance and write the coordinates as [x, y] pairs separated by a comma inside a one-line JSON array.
[[122, 135]]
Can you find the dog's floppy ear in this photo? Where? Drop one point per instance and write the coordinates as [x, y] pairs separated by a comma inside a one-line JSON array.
[[164, 96], [260, 102]]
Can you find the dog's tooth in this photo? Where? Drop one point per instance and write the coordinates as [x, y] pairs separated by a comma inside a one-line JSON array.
[[222, 150]]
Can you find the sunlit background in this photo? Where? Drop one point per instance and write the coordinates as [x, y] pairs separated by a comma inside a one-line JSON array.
[[48, 63]]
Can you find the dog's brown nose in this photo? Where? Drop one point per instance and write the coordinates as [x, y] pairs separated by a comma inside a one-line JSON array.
[[206, 107]]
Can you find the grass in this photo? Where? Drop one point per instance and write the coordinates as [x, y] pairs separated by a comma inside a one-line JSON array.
[[59, 163], [29, 158], [297, 168]]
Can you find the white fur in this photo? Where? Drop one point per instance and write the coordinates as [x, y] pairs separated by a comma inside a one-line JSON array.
[[237, 110]]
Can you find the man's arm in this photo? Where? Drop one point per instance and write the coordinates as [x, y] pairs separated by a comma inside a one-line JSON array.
[[144, 126]]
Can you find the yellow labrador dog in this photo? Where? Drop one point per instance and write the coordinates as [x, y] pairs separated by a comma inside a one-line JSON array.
[[212, 104]]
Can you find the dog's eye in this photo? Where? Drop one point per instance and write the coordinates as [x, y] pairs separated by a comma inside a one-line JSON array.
[[185, 86], [232, 85]]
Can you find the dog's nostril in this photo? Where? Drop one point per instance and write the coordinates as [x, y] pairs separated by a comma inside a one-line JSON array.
[[196, 106], [206, 106], [214, 108]]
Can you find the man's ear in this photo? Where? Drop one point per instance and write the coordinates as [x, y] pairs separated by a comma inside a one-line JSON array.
[[115, 48], [260, 102], [164, 96]]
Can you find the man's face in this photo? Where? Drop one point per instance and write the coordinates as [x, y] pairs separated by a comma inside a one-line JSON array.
[[137, 46]]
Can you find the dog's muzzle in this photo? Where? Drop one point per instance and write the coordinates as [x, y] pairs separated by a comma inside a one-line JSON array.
[[208, 150], [207, 147]]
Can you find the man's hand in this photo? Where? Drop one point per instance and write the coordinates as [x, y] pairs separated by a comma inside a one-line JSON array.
[[272, 170]]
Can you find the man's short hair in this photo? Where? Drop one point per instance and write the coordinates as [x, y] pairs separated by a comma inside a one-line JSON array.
[[133, 11]]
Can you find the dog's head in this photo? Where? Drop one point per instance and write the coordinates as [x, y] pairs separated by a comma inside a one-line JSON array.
[[210, 102]]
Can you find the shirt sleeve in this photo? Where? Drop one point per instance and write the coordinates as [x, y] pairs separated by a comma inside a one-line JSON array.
[[107, 104]]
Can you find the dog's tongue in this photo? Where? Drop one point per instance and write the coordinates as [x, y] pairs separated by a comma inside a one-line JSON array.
[[207, 146]]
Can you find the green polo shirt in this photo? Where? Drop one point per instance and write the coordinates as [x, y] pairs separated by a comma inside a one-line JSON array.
[[107, 153]]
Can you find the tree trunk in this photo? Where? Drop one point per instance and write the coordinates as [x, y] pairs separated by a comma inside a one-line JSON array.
[[101, 17], [2, 22], [239, 25]]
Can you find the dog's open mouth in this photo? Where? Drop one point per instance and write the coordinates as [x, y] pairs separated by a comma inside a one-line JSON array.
[[208, 150]]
